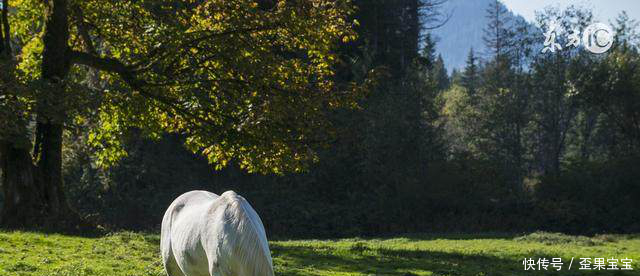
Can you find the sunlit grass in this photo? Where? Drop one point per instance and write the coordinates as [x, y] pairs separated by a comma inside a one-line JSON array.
[[135, 254]]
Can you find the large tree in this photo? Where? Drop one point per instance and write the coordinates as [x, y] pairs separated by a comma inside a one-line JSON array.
[[244, 81]]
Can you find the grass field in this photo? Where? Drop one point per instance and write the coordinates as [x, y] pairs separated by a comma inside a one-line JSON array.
[[133, 254]]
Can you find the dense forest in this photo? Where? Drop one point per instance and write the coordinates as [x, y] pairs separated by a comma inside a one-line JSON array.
[[348, 125]]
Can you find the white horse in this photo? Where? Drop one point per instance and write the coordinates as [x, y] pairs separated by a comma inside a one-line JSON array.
[[204, 234]]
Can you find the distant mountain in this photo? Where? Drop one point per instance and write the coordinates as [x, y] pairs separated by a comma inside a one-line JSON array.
[[463, 31]]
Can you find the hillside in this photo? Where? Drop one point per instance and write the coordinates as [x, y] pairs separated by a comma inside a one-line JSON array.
[[463, 31]]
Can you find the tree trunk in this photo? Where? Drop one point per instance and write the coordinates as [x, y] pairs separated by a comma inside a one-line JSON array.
[[51, 110], [34, 193], [50, 167], [5, 44], [21, 194]]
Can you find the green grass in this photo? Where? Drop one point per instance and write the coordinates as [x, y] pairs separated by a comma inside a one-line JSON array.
[[133, 254]]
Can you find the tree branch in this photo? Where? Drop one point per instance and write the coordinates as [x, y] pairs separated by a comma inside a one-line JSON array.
[[109, 65], [131, 79]]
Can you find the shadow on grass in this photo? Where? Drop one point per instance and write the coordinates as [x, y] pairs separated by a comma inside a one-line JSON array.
[[303, 260], [318, 261], [457, 236]]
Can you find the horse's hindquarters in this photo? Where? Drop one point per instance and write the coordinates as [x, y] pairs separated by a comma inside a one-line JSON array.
[[181, 247], [188, 250]]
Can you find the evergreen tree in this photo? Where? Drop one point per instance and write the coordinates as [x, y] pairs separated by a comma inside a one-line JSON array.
[[456, 77], [470, 77], [429, 52], [397, 134], [440, 74], [498, 34], [626, 31], [501, 106]]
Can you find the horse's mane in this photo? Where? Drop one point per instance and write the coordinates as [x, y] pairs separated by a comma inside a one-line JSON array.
[[250, 236]]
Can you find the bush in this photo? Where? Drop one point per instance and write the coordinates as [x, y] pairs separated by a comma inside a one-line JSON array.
[[558, 238], [592, 197]]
